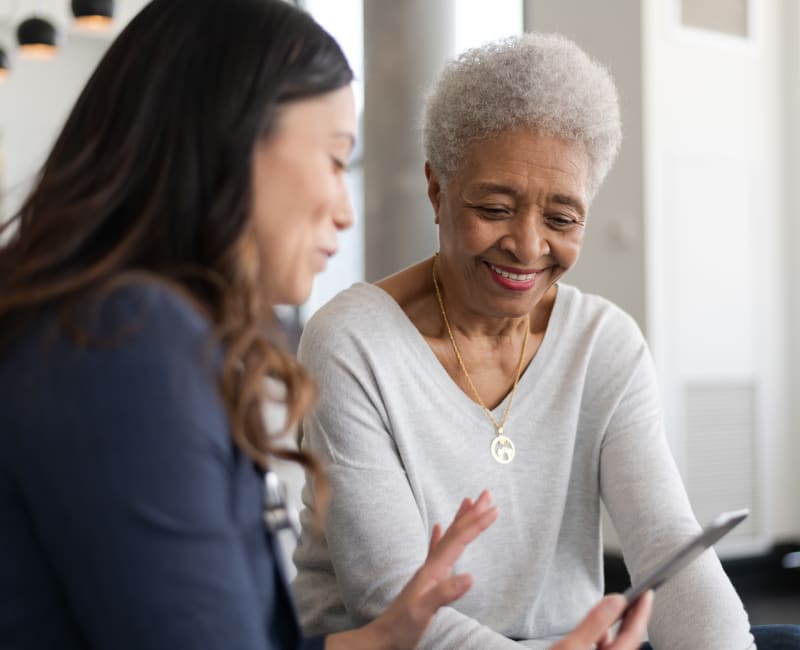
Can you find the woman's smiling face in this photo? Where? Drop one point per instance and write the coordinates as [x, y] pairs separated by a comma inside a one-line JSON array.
[[511, 222]]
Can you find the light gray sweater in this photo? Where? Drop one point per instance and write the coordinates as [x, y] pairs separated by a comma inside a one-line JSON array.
[[403, 444]]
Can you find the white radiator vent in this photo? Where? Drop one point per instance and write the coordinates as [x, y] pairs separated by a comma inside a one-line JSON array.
[[721, 467]]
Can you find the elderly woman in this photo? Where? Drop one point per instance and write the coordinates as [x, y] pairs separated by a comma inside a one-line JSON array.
[[479, 367]]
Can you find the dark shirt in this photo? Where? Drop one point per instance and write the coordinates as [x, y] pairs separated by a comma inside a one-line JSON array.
[[128, 519]]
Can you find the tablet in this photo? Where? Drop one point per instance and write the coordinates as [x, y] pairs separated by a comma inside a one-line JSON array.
[[710, 535]]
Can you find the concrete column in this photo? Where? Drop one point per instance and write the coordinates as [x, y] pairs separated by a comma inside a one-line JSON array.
[[786, 513], [405, 45]]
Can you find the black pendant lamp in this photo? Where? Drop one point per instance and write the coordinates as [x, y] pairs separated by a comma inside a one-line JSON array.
[[37, 38], [93, 14], [4, 65]]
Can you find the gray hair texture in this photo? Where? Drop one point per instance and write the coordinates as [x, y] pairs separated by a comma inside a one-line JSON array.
[[543, 82]]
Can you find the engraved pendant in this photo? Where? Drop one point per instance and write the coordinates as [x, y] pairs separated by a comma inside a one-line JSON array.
[[503, 449]]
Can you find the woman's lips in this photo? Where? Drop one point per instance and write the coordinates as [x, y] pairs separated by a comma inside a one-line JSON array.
[[511, 278], [322, 257]]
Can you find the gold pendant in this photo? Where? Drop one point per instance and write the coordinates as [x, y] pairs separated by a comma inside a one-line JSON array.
[[503, 449]]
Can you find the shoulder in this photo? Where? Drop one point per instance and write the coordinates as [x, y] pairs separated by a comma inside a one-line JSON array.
[[144, 379], [146, 335], [145, 310], [360, 316], [138, 344], [604, 347], [591, 316], [595, 335], [150, 333], [350, 305], [146, 315]]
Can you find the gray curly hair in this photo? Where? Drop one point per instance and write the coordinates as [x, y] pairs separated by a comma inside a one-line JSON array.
[[540, 81]]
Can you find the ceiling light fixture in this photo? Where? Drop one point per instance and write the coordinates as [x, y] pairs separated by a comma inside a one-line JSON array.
[[4, 65], [93, 14], [37, 38]]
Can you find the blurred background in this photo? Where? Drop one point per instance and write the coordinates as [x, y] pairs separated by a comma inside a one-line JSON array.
[[695, 232]]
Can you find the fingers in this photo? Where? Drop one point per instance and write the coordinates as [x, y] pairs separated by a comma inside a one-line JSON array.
[[468, 514], [635, 623], [433, 585], [405, 620], [445, 548], [595, 624], [595, 627], [605, 640], [445, 554], [436, 536], [467, 525], [594, 630], [465, 504]]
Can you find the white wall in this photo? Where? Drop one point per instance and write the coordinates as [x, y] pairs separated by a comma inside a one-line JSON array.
[[37, 96], [34, 102], [716, 212]]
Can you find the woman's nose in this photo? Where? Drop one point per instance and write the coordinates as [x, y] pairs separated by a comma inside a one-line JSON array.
[[529, 241], [343, 214]]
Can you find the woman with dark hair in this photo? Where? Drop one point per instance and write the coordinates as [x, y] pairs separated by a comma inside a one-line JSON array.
[[198, 181]]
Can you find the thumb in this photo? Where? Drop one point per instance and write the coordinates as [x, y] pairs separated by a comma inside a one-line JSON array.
[[444, 593], [596, 623]]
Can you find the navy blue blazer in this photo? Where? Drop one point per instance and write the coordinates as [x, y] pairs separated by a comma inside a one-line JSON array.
[[128, 519]]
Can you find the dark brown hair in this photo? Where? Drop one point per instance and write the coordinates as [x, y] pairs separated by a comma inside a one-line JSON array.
[[151, 174]]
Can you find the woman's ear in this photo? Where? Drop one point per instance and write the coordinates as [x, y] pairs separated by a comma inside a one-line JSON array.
[[434, 190]]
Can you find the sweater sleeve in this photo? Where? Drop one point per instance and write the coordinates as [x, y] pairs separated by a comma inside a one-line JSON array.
[[129, 482], [372, 502], [645, 497]]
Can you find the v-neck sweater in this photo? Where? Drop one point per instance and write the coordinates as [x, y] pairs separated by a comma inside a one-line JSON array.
[[403, 444]]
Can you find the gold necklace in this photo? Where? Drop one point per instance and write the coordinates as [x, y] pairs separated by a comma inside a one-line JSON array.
[[502, 448]]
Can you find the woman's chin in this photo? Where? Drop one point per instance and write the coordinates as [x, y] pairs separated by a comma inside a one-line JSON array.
[[294, 296], [303, 293]]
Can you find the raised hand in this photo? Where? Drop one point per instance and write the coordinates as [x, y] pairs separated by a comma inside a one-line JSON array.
[[404, 622]]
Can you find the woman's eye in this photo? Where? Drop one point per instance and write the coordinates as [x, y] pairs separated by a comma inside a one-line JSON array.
[[493, 212], [561, 220], [338, 164]]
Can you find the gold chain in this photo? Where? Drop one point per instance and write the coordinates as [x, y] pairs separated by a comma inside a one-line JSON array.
[[498, 427]]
